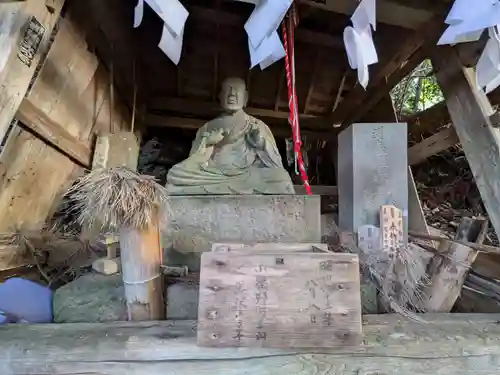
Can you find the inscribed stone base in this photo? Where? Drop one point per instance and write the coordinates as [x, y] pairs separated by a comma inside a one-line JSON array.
[[196, 222], [373, 171]]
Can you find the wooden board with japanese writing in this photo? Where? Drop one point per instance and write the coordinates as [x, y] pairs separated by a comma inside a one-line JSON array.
[[391, 223], [282, 300]]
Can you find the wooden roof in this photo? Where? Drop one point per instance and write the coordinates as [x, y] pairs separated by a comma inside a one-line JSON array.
[[215, 47]]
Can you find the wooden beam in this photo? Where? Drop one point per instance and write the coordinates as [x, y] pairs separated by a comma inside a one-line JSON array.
[[463, 344], [210, 109], [428, 121], [388, 74], [447, 271], [436, 116], [231, 19], [480, 141], [163, 121], [392, 12], [310, 91], [433, 145], [28, 26], [54, 134]]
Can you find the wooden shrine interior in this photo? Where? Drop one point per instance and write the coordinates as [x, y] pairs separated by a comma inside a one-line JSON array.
[[215, 47]]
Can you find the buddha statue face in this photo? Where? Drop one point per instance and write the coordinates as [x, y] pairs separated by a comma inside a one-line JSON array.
[[233, 94]]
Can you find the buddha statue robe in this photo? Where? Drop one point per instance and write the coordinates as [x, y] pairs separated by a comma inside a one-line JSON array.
[[233, 154]]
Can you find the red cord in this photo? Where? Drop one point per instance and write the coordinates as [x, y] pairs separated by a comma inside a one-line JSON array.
[[292, 94]]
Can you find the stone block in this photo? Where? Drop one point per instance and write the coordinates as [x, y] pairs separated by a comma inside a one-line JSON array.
[[182, 301], [115, 150], [106, 266], [373, 171], [196, 222]]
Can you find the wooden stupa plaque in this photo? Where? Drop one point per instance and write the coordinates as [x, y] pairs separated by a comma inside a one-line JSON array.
[[281, 300]]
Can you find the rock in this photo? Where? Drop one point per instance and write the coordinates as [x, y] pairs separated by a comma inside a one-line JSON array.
[[182, 301], [106, 266], [91, 298]]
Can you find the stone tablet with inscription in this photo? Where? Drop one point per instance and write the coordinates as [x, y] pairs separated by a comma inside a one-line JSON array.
[[372, 171], [281, 300]]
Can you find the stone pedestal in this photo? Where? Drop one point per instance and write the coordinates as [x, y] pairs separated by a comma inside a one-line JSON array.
[[196, 222], [373, 171]]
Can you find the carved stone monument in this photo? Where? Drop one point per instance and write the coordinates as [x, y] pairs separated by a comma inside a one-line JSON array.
[[233, 154], [373, 171]]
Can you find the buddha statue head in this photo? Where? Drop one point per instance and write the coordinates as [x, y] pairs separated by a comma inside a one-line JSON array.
[[233, 94]]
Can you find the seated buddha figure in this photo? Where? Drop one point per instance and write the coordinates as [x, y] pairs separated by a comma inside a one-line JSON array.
[[234, 153]]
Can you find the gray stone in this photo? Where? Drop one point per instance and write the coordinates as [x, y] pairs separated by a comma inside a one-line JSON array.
[[196, 222], [182, 301], [373, 171], [91, 298]]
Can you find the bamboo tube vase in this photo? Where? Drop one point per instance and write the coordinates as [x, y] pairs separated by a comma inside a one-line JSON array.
[[141, 259]]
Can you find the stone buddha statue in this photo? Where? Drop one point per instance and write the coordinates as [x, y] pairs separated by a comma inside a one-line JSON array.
[[234, 153]]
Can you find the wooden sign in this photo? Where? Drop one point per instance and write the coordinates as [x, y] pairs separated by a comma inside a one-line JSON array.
[[31, 41], [391, 224], [282, 300]]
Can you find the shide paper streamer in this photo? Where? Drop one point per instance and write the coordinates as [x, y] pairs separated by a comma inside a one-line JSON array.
[[174, 16], [358, 40], [466, 24], [264, 44]]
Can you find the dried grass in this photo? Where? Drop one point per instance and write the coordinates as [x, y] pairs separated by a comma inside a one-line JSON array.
[[404, 281], [117, 198], [399, 278], [58, 257]]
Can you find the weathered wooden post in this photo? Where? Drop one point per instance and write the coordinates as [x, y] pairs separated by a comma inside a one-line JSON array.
[[131, 204]]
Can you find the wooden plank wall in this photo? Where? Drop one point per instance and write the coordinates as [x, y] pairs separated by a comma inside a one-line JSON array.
[[67, 106], [25, 33]]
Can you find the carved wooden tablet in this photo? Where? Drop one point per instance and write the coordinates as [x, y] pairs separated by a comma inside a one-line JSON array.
[[281, 300]]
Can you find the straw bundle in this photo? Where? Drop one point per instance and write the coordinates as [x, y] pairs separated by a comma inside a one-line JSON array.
[[121, 200], [117, 198], [399, 278]]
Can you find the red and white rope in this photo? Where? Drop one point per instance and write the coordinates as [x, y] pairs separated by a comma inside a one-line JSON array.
[[290, 23]]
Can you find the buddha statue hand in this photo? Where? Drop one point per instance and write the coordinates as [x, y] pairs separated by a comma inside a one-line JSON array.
[[256, 139], [214, 137]]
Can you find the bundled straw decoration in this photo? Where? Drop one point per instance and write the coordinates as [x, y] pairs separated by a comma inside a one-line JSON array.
[[117, 198]]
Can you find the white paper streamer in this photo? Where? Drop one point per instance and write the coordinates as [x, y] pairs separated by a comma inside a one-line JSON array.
[[138, 13], [174, 16], [171, 45], [172, 12], [467, 21], [270, 50], [265, 19], [358, 40], [264, 43], [365, 15], [488, 66], [354, 50]]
